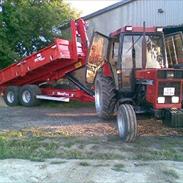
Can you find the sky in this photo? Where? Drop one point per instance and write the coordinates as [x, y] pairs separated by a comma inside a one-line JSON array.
[[89, 6]]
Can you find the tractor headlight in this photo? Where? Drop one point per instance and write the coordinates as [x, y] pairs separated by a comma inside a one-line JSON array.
[[128, 28], [175, 100], [161, 100], [119, 71], [159, 29]]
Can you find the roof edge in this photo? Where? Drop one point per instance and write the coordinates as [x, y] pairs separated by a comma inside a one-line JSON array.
[[108, 8]]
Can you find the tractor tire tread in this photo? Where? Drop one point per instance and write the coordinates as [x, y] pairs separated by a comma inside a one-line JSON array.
[[35, 90], [109, 93], [131, 122]]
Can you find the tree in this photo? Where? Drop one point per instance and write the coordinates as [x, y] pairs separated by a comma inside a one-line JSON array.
[[29, 25]]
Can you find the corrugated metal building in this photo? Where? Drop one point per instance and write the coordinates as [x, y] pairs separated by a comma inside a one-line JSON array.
[[166, 13]]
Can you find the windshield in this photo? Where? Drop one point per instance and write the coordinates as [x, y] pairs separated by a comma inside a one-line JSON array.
[[132, 47]]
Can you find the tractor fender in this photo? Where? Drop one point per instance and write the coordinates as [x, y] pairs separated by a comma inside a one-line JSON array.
[[126, 101], [107, 71]]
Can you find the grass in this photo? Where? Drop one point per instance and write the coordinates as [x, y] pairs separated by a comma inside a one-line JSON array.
[[141, 164], [118, 168], [101, 165], [171, 173], [57, 162], [45, 144], [164, 154], [11, 134], [158, 148], [33, 149], [84, 164]]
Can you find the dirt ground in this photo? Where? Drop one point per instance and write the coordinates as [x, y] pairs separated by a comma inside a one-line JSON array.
[[91, 150], [77, 171]]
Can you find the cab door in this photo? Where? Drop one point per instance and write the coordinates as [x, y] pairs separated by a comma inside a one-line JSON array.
[[96, 56], [131, 59], [174, 48]]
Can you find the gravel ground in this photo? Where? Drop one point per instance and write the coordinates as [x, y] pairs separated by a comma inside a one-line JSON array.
[[74, 121], [20, 117]]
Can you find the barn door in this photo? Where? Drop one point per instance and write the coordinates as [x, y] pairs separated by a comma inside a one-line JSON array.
[[96, 56], [174, 47]]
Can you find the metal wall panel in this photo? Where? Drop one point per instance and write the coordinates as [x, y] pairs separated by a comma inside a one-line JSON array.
[[136, 12]]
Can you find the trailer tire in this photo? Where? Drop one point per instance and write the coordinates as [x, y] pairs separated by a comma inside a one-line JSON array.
[[11, 96], [105, 93], [28, 94], [127, 123]]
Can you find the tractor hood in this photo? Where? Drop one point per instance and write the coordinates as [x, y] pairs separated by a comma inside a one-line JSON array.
[[154, 74], [164, 87]]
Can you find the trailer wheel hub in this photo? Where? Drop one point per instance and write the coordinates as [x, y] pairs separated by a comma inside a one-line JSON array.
[[10, 97], [26, 96]]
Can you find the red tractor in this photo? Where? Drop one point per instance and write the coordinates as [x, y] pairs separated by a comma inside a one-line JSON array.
[[132, 75]]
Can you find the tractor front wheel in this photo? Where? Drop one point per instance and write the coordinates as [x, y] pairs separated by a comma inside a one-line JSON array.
[[127, 123]]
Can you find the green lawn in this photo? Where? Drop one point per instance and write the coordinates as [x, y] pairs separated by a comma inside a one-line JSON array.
[[39, 146]]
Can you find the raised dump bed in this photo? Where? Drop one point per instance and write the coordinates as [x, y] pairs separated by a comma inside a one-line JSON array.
[[43, 65]]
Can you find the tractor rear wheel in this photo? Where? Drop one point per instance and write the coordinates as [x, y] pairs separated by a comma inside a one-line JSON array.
[[104, 96], [28, 95], [127, 123], [11, 96]]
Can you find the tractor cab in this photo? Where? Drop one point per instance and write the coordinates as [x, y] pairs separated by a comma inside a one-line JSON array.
[[138, 49], [124, 50]]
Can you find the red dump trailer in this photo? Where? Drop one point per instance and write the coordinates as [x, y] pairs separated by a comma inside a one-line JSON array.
[[29, 80]]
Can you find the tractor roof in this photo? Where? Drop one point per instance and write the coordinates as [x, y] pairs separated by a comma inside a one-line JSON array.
[[130, 29]]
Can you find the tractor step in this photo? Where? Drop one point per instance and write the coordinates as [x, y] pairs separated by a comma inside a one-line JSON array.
[[173, 118]]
